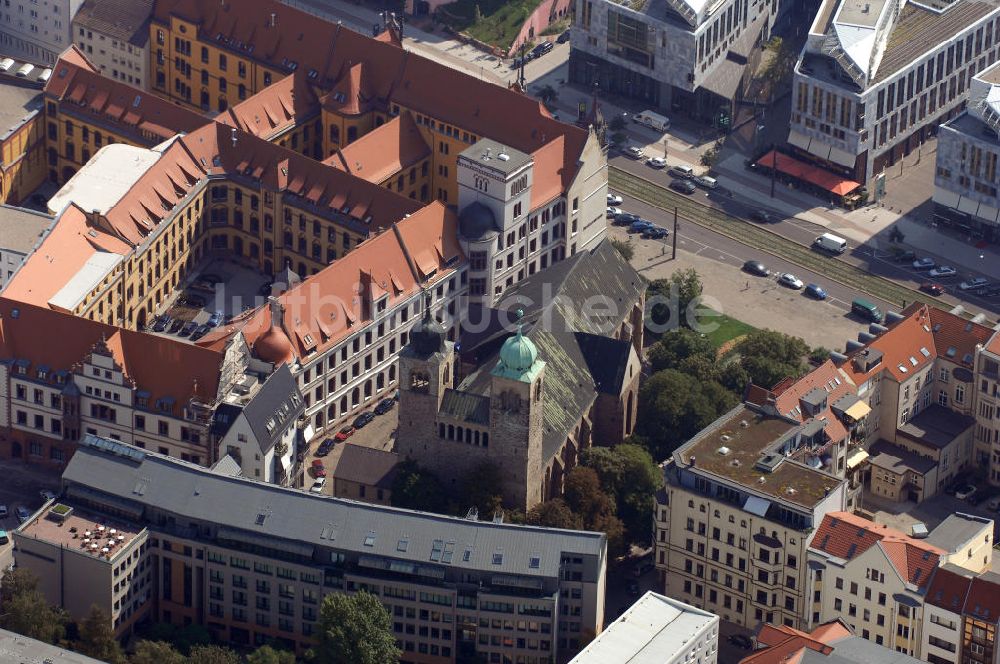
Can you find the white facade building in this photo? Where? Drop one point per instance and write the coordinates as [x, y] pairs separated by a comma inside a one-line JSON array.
[[656, 630], [37, 31]]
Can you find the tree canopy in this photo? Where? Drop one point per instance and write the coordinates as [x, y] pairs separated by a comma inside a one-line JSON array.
[[354, 629], [554, 513], [268, 655], [685, 286], [156, 652], [673, 406], [212, 654], [769, 356], [628, 473], [25, 610], [97, 638], [482, 489], [587, 499], [419, 489]]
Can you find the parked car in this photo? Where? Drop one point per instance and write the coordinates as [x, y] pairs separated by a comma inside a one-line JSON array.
[[614, 199], [706, 182], [973, 283], [634, 152], [790, 280], [682, 172], [625, 219], [215, 319], [47, 495], [741, 641], [176, 326], [384, 406], [655, 233], [756, 268], [3, 512], [990, 291], [761, 216], [613, 212], [943, 272], [317, 471], [932, 288], [542, 49], [965, 492], [188, 329], [904, 257], [683, 186], [563, 38], [344, 433], [639, 226], [200, 331], [363, 420], [815, 291], [923, 263], [160, 323], [656, 162], [318, 485], [23, 513]]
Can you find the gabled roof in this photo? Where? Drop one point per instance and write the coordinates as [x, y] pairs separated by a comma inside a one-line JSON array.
[[786, 397], [831, 642], [158, 365], [126, 20], [275, 109], [384, 151], [143, 116], [983, 600], [366, 465], [847, 536], [949, 588], [277, 404]]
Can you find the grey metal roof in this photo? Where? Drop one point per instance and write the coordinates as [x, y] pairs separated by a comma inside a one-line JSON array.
[[466, 406], [855, 650], [957, 530], [21, 229], [496, 156], [17, 648], [366, 465], [276, 404], [936, 426], [227, 466], [192, 493]]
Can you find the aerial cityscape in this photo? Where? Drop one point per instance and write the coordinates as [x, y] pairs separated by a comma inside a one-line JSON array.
[[499, 331]]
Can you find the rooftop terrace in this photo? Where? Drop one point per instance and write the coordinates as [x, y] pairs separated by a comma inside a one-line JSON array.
[[97, 536], [733, 446]]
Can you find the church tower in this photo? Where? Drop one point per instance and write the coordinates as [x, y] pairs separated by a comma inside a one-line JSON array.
[[516, 403], [426, 367]]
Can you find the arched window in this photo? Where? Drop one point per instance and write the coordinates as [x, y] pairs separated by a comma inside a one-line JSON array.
[[334, 133], [451, 432]]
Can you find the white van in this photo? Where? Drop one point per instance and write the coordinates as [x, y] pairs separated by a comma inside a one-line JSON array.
[[652, 120], [25, 70], [682, 172], [831, 243], [6, 64], [318, 485]]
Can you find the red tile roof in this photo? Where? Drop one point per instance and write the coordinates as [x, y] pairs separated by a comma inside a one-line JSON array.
[[326, 307], [159, 365], [276, 108], [845, 535], [993, 345], [983, 600], [384, 151], [825, 377], [134, 112], [786, 645], [949, 588]]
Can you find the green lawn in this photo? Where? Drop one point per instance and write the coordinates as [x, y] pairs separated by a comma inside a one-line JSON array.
[[729, 329], [499, 23]]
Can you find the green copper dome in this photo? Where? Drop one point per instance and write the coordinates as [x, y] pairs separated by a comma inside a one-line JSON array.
[[517, 357]]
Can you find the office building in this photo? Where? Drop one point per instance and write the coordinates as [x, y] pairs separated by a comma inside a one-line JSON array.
[[876, 79], [966, 180], [656, 630], [677, 56], [252, 562]]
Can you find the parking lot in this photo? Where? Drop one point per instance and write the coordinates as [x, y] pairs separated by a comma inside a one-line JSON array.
[[219, 286], [380, 434], [21, 488]]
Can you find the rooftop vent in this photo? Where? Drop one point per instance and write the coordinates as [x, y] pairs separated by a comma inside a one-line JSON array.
[[744, 424], [725, 438], [503, 156], [724, 451], [761, 480]]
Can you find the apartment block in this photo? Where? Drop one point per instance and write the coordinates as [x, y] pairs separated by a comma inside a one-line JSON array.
[[221, 551], [966, 539], [114, 35], [680, 56], [987, 391], [657, 630], [961, 616], [37, 33], [876, 79], [736, 517], [872, 577]]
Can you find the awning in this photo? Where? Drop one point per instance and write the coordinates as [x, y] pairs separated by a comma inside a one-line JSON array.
[[945, 197], [966, 204], [808, 173], [856, 459], [858, 410], [798, 140], [988, 212], [842, 157], [756, 505]]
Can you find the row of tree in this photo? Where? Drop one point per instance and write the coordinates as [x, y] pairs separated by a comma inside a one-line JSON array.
[[352, 629]]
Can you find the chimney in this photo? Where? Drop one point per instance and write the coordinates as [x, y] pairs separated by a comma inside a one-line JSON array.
[[274, 20], [277, 312], [233, 134]]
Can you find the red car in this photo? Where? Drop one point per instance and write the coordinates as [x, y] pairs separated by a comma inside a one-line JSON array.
[[344, 433], [931, 288], [318, 471], [317, 463]]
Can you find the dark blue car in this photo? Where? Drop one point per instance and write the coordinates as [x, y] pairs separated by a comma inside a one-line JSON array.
[[639, 226], [815, 291]]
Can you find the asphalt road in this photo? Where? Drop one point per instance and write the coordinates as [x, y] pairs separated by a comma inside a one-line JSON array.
[[802, 232]]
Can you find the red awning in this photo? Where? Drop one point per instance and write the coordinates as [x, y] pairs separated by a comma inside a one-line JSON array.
[[808, 173]]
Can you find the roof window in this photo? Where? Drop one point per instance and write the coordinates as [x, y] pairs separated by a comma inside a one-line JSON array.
[[370, 538]]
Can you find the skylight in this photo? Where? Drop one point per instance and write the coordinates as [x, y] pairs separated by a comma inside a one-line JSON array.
[[370, 539], [534, 562], [925, 352], [951, 351], [498, 558], [913, 360], [402, 544]]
